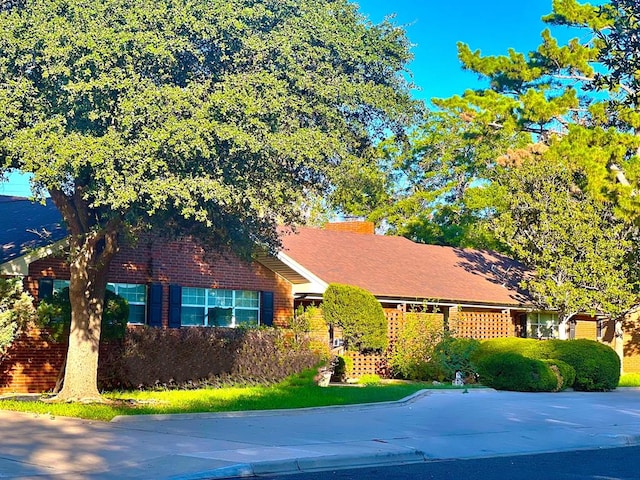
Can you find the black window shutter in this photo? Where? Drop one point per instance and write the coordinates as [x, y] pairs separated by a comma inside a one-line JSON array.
[[45, 288], [155, 305], [175, 305], [266, 308]]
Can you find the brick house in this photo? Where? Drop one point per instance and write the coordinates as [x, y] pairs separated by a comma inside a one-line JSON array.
[[176, 283]]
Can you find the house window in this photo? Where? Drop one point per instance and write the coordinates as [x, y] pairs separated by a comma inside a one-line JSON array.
[[542, 325], [135, 294], [219, 308]]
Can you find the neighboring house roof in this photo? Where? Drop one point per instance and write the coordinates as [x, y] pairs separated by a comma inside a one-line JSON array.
[[387, 266], [395, 267], [27, 227]]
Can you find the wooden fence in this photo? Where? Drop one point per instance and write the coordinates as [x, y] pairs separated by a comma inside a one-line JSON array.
[[478, 325]]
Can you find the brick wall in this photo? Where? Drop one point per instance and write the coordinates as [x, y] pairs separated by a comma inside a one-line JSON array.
[[586, 329], [367, 228], [181, 262], [31, 364]]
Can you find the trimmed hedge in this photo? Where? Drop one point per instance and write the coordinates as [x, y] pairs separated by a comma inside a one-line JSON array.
[[564, 372], [597, 366], [150, 357], [358, 312], [512, 371]]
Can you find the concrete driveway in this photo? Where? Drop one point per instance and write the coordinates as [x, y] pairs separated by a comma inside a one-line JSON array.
[[427, 426]]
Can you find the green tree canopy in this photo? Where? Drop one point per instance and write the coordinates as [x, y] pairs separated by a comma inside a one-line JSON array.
[[579, 250], [432, 189], [207, 117], [585, 93]]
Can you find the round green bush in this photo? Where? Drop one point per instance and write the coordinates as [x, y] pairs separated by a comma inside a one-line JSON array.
[[597, 365], [565, 373], [360, 315], [512, 371]]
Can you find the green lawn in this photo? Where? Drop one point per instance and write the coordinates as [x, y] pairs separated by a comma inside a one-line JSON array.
[[296, 392], [629, 380]]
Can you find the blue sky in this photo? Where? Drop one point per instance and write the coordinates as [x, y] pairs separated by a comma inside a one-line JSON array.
[[434, 27]]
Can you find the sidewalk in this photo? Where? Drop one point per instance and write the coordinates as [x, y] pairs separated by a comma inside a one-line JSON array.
[[442, 424]]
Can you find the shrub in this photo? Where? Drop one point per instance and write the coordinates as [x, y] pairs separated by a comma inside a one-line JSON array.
[[16, 311], [359, 314], [596, 365], [413, 351], [564, 372], [529, 347], [151, 357], [369, 379], [453, 355], [512, 371]]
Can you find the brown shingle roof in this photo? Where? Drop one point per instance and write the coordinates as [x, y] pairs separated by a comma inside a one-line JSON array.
[[397, 267]]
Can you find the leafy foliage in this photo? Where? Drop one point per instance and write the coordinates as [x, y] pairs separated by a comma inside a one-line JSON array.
[[194, 357], [215, 119], [453, 355], [433, 190], [359, 314], [564, 372], [581, 99], [597, 366], [16, 311], [581, 253], [414, 349]]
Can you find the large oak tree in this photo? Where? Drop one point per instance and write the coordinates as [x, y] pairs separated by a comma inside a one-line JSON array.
[[212, 118]]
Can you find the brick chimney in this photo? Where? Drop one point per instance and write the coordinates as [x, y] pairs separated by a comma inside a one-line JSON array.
[[353, 226]]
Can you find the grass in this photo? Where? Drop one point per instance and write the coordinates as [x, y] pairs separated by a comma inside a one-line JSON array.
[[295, 392], [629, 380]]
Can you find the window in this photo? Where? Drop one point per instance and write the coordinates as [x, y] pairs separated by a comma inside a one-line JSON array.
[[542, 325], [219, 308], [135, 294]]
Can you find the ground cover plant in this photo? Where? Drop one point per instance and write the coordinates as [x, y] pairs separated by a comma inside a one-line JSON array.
[[297, 391]]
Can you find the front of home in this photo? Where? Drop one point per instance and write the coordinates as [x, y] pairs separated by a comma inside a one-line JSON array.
[[175, 283]]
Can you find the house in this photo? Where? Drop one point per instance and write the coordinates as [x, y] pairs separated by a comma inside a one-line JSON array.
[[176, 283]]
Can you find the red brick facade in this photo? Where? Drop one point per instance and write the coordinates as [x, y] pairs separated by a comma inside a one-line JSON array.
[[33, 362], [367, 228], [181, 262]]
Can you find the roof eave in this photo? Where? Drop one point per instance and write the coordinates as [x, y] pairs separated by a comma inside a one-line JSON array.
[[20, 266]]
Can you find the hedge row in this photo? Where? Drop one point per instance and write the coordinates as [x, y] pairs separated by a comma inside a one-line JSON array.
[[150, 357], [547, 365]]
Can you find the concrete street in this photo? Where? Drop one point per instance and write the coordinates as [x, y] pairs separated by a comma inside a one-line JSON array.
[[430, 425]]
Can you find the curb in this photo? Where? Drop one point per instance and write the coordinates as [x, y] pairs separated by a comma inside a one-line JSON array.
[[308, 464], [265, 413]]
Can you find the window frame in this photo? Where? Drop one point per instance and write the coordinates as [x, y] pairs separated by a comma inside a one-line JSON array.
[[59, 285], [209, 303], [534, 327]]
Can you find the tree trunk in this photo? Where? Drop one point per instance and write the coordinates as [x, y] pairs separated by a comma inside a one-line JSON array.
[[86, 294]]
